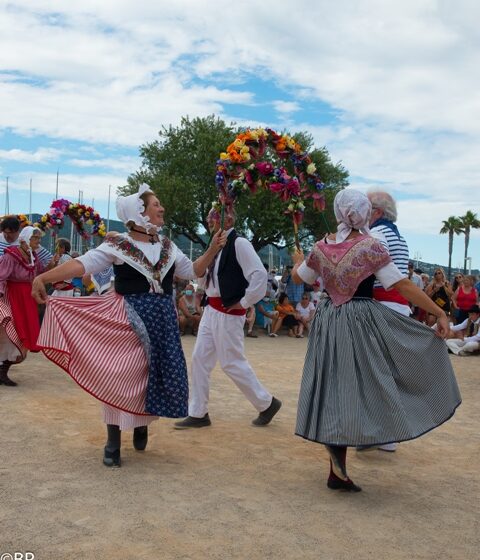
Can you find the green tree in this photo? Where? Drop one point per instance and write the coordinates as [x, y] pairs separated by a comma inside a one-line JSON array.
[[452, 226], [180, 167], [469, 222]]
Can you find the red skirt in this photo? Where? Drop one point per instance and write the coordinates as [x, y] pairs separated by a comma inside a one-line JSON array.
[[19, 316]]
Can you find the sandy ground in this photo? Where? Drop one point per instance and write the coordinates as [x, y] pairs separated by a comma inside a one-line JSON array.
[[231, 490]]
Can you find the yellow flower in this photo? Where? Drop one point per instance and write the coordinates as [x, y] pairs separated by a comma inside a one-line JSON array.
[[44, 219], [238, 143], [311, 168], [290, 142], [246, 157], [224, 155], [244, 150], [254, 134]]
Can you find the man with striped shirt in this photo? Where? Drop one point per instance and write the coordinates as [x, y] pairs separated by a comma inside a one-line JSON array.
[[9, 232], [382, 226]]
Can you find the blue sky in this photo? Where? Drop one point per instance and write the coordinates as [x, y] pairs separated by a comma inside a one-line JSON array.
[[391, 89]]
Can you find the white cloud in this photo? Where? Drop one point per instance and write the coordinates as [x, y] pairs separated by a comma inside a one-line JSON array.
[[69, 185], [402, 77], [126, 164], [42, 155], [286, 106]]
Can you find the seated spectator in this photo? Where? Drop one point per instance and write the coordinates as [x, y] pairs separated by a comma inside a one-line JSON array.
[[286, 316], [266, 315], [317, 292], [305, 312], [468, 332], [200, 299], [189, 313], [250, 321]]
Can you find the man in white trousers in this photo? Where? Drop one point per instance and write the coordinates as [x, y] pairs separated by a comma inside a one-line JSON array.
[[237, 279]]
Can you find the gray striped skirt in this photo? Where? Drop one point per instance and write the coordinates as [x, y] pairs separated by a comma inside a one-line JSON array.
[[372, 376]]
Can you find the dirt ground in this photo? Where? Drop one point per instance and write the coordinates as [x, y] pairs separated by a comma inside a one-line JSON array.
[[231, 490]]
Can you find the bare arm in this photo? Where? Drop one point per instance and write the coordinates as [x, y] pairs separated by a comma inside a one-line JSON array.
[[415, 295], [70, 269]]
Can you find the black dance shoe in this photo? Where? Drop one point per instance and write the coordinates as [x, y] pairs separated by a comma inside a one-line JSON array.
[[344, 485], [140, 438], [266, 416], [192, 422], [111, 458]]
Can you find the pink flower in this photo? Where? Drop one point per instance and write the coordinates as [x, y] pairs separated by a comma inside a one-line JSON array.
[[264, 168]]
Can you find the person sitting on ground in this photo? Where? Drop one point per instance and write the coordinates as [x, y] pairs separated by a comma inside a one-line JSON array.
[[266, 316], [317, 291], [468, 340], [189, 312], [286, 316], [305, 312], [250, 321]]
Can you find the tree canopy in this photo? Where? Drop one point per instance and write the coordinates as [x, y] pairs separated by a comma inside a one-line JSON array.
[[180, 167]]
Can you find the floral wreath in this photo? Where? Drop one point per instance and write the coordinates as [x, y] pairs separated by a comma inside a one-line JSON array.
[[247, 165], [80, 214], [22, 218]]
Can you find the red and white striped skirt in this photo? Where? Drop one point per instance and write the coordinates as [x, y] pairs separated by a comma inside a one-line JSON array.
[[91, 339]]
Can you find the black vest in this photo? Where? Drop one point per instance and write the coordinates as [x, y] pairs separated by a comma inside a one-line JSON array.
[[130, 281], [231, 281]]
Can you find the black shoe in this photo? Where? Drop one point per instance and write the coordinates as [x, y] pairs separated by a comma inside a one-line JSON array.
[[345, 485], [111, 458], [266, 416], [192, 422], [363, 448], [8, 382], [140, 438]]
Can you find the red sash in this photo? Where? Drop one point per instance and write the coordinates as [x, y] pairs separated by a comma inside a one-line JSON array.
[[380, 294], [217, 304]]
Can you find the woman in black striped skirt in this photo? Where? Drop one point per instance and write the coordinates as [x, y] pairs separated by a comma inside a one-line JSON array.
[[371, 376]]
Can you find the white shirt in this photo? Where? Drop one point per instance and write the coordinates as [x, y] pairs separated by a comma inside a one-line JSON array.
[[463, 326], [97, 260], [305, 311], [253, 271]]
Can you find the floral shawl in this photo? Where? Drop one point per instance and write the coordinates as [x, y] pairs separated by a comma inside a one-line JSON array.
[[343, 266], [122, 248]]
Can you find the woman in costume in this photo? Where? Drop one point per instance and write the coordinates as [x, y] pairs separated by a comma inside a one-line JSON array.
[[371, 375], [19, 321], [124, 347]]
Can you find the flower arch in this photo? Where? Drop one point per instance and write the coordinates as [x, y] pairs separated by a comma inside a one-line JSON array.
[[250, 162], [80, 214]]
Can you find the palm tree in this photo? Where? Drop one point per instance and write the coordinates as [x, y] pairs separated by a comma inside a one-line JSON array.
[[469, 221], [452, 226]]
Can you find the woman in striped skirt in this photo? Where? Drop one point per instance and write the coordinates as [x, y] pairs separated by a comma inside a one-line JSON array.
[[124, 347], [371, 375]]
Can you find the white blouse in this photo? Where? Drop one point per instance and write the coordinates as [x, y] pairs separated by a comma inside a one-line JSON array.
[[97, 260]]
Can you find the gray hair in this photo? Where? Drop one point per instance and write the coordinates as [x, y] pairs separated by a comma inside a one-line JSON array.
[[385, 202]]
